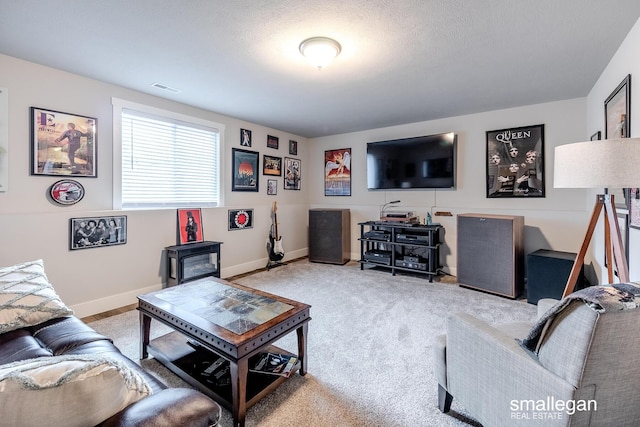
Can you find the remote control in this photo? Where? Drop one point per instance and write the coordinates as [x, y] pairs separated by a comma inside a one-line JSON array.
[[212, 368]]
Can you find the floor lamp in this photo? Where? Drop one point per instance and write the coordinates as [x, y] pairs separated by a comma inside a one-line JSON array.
[[609, 163]]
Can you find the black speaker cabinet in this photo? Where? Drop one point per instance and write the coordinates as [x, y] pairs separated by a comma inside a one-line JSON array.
[[547, 274], [491, 253], [330, 235]]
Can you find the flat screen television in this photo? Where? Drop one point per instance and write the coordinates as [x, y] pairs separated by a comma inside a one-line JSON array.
[[409, 163]]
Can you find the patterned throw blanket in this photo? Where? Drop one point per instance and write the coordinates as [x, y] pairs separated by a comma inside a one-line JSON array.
[[605, 298]]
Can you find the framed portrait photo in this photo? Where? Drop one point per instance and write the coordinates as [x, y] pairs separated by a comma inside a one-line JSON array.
[[292, 173], [245, 171], [190, 228], [515, 162], [63, 144], [95, 232], [293, 147]]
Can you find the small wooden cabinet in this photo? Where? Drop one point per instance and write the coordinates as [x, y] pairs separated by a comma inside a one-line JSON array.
[[491, 253], [192, 261], [401, 247], [330, 235]]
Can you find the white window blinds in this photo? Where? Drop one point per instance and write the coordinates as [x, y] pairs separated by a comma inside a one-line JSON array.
[[168, 162]]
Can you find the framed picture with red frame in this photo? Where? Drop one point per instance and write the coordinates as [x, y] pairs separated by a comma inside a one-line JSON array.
[[190, 226]]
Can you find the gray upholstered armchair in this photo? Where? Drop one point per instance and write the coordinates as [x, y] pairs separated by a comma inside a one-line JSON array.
[[585, 370]]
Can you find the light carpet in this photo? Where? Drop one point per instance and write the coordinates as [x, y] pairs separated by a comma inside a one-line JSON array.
[[369, 346]]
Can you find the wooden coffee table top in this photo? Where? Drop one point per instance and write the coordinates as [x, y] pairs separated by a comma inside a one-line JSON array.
[[230, 317]]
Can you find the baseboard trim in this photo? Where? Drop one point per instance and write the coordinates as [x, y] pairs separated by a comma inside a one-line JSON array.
[[112, 302]]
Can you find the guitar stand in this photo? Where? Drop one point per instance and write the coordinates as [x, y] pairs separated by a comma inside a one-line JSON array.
[[273, 264]]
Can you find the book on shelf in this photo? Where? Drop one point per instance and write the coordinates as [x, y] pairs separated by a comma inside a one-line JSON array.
[[273, 364]]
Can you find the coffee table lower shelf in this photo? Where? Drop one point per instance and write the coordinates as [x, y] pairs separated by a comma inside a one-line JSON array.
[[187, 362]]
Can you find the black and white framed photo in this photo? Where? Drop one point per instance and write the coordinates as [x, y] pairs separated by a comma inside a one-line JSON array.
[[245, 170], [100, 231], [245, 137], [63, 144], [293, 147], [515, 162], [272, 187], [617, 123], [292, 173], [240, 219]]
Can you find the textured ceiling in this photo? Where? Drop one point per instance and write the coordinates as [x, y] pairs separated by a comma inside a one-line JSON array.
[[402, 61]]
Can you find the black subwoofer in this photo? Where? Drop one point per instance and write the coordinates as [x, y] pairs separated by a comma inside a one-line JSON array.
[[547, 274], [330, 235]]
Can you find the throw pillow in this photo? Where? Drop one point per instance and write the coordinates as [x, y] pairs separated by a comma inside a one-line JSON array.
[[69, 390], [27, 298]]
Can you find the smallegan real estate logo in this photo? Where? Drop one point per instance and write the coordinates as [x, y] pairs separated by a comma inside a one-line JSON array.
[[549, 408]]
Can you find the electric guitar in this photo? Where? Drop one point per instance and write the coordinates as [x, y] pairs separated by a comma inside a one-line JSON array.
[[274, 244]]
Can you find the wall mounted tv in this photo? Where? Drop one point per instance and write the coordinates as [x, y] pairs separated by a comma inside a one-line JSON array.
[[410, 163]]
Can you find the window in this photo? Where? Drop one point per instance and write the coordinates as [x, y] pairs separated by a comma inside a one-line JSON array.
[[166, 159]]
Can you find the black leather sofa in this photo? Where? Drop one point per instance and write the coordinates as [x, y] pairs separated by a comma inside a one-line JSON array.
[[165, 407]]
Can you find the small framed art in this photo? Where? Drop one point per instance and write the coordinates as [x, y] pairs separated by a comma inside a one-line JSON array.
[[93, 232], [273, 141], [66, 192], [293, 147], [245, 137], [272, 187], [245, 172], [63, 144], [240, 219], [292, 173], [271, 165], [190, 228]]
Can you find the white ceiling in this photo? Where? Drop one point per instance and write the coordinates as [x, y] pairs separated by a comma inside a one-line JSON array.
[[402, 61]]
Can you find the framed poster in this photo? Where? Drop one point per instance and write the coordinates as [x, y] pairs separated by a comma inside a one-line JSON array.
[[245, 137], [617, 110], [617, 124], [337, 172], [292, 173], [240, 219], [63, 144], [271, 165], [93, 232], [190, 226], [245, 172], [515, 162], [293, 147]]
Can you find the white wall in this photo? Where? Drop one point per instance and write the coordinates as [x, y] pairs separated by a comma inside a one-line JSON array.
[[99, 279], [625, 61], [556, 221]]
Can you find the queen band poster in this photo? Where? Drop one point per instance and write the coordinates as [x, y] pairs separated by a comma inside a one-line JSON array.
[[515, 162]]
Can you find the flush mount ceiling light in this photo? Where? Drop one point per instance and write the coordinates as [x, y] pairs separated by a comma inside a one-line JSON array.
[[320, 51]]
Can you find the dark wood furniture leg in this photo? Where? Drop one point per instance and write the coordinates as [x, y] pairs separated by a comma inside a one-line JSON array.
[[302, 332], [239, 373], [145, 326]]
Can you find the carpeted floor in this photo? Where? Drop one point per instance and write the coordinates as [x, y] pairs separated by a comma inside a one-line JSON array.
[[369, 346]]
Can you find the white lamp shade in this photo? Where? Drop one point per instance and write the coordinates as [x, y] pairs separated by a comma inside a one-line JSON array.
[[598, 164]]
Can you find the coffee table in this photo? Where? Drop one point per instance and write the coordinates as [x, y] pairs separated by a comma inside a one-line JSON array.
[[213, 318]]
